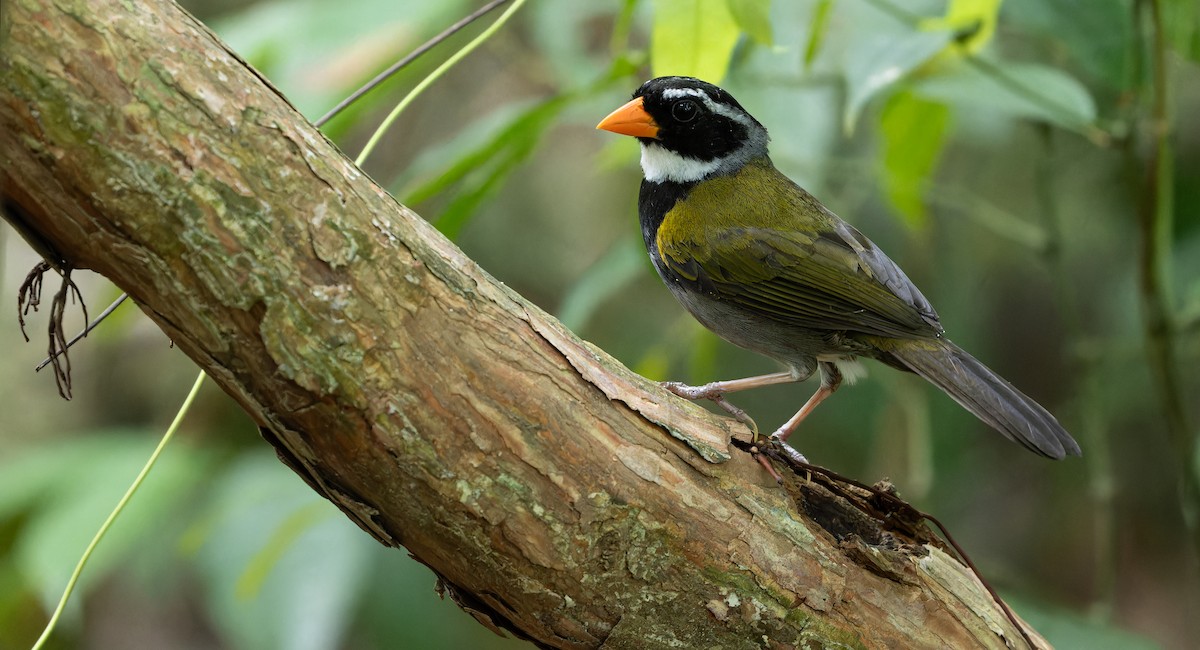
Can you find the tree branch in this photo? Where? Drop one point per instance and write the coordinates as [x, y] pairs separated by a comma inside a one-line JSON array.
[[556, 493]]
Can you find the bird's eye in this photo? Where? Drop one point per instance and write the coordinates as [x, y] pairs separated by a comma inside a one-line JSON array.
[[684, 110]]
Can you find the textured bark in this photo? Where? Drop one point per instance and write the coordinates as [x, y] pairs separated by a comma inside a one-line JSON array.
[[556, 493]]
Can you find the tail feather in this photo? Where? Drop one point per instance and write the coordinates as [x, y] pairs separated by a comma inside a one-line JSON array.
[[987, 395]]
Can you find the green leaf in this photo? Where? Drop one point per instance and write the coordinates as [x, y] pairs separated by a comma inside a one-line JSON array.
[[301, 45], [995, 219], [250, 583], [693, 38], [1181, 21], [973, 22], [914, 133], [655, 364], [875, 65], [281, 567], [1189, 312], [816, 34], [754, 18], [66, 492], [603, 280], [476, 173], [1094, 37], [1016, 89], [702, 358]]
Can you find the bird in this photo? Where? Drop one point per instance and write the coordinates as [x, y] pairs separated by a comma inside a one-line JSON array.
[[763, 264]]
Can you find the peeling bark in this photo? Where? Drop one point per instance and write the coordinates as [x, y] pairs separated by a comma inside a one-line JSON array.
[[554, 492]]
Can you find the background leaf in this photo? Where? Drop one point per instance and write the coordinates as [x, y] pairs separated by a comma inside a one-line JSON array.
[[754, 18], [816, 34], [282, 567], [603, 280], [1092, 38], [880, 64], [476, 174], [693, 38], [1181, 19], [973, 22], [1066, 630], [913, 132], [1023, 90], [65, 492], [301, 44]]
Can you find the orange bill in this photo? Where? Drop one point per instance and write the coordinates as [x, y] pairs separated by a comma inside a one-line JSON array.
[[630, 119]]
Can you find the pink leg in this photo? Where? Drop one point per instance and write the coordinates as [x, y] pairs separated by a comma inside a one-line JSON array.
[[831, 378], [788, 427], [716, 391]]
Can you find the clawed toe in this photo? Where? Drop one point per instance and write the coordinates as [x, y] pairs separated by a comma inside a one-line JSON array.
[[766, 464], [716, 391], [793, 455], [779, 438], [738, 414], [717, 395]]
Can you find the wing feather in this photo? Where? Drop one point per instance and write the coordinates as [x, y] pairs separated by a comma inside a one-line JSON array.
[[834, 280]]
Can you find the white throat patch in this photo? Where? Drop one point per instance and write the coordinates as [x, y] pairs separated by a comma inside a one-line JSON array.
[[660, 164]]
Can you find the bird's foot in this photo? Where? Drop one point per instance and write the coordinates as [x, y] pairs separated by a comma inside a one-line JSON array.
[[766, 463], [739, 415], [780, 440], [714, 393]]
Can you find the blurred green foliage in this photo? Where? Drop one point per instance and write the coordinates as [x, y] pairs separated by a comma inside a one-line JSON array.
[[693, 37], [993, 149]]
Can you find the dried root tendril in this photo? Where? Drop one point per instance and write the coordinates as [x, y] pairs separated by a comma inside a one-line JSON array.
[[29, 298]]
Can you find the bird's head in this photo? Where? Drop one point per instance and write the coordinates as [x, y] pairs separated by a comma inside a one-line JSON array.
[[689, 130]]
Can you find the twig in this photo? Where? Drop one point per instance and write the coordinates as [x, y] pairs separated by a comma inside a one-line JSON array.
[[112, 517], [432, 77], [91, 326], [402, 63]]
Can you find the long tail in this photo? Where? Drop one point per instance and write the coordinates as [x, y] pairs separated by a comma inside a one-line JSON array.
[[987, 395]]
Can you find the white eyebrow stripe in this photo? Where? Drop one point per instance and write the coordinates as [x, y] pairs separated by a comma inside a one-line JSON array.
[[675, 93], [725, 111], [712, 104]]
